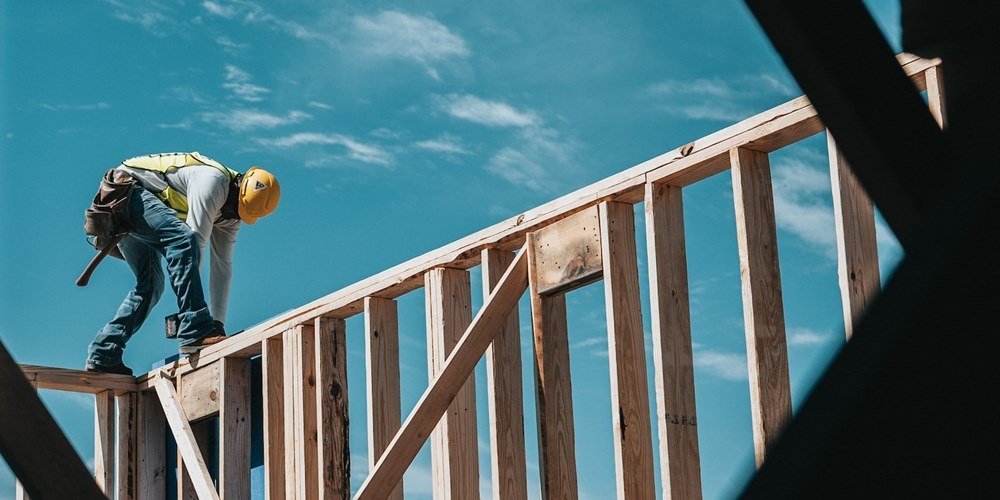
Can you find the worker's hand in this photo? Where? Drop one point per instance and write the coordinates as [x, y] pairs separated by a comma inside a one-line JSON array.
[[220, 329]]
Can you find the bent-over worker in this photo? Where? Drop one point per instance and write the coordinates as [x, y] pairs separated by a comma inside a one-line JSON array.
[[181, 203]]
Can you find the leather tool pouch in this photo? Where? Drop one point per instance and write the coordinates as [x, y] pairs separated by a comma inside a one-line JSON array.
[[108, 214]]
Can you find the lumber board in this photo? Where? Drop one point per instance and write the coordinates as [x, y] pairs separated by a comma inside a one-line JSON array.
[[202, 431], [673, 363], [504, 390], [766, 131], [332, 416], [433, 404], [273, 385], [19, 492], [301, 446], [935, 94], [104, 441], [568, 252], [627, 354], [234, 428], [382, 373], [127, 446], [33, 445], [187, 445], [64, 379], [763, 310], [152, 455], [857, 244], [454, 443], [200, 391], [553, 390]]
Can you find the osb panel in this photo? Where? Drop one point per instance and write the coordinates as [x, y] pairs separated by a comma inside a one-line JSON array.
[[568, 252]]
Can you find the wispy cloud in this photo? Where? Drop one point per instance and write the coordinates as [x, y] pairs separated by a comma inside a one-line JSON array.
[[320, 105], [366, 153], [485, 112], [802, 200], [150, 15], [536, 161], [715, 99], [396, 35], [251, 13], [231, 46], [721, 364], [445, 144], [242, 120], [807, 337], [238, 82], [75, 107]]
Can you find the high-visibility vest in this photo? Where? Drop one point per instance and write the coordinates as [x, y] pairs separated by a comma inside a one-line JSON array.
[[162, 163]]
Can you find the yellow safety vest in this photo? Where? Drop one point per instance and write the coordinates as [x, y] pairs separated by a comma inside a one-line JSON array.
[[169, 162]]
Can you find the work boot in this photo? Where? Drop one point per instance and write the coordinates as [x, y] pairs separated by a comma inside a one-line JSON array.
[[211, 339], [119, 369]]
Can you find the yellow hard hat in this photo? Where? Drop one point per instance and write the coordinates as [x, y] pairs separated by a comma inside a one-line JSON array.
[[259, 195]]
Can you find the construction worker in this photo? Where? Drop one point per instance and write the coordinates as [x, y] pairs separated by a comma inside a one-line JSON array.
[[181, 203]]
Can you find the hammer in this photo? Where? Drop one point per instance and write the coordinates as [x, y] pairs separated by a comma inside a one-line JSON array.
[[85, 277]]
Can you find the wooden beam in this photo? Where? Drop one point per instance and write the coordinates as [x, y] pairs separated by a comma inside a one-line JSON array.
[[273, 384], [382, 372], [935, 94], [63, 379], [454, 444], [503, 378], [627, 353], [767, 131], [19, 492], [680, 465], [200, 391], [104, 441], [763, 311], [152, 456], [334, 422], [234, 428], [187, 445], [127, 446], [857, 244], [553, 389], [301, 447], [202, 431], [385, 476]]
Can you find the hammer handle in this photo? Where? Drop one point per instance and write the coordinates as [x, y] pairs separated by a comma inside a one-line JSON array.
[[85, 277]]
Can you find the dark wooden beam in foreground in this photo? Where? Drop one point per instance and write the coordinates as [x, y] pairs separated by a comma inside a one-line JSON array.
[[34, 446]]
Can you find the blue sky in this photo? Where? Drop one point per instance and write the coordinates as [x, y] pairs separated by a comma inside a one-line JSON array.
[[395, 128]]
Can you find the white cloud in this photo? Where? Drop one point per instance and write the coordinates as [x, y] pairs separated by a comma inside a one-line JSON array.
[[238, 82], [152, 16], [250, 13], [725, 365], [539, 160], [320, 105], [76, 107], [226, 11], [807, 337], [446, 144], [230, 45], [392, 34], [715, 99], [802, 202], [362, 152], [242, 120], [484, 112]]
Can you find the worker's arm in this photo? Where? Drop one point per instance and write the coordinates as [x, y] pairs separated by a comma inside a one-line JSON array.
[[207, 189], [223, 242]]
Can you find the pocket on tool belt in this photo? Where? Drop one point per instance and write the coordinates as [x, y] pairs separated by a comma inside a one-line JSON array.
[[108, 213]]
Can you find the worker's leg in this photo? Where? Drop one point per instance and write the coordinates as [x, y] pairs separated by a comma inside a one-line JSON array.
[[157, 225], [106, 349]]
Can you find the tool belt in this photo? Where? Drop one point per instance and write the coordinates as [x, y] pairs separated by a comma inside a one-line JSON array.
[[108, 214]]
